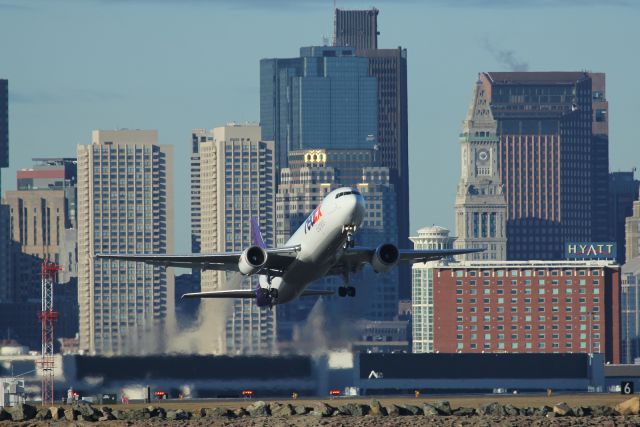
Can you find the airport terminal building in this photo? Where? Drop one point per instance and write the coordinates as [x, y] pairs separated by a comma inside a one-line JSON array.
[[360, 373]]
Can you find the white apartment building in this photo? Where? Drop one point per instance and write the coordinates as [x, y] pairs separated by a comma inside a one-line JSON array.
[[125, 205], [237, 182]]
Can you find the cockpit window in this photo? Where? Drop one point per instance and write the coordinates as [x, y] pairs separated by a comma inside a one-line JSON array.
[[344, 193]]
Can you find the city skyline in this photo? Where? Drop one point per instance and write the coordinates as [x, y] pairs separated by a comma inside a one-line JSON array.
[[52, 115]]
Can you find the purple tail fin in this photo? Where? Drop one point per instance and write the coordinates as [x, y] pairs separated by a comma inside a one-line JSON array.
[[256, 236]]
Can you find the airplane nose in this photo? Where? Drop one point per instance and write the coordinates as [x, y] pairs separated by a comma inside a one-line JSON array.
[[360, 206], [357, 209]]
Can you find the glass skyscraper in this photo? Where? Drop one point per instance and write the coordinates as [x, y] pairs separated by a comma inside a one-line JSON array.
[[4, 123], [630, 311], [323, 99]]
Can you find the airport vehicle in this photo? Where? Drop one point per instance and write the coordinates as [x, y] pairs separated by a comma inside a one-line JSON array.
[[323, 245]]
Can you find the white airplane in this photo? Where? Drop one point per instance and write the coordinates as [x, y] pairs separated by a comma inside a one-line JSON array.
[[322, 246]]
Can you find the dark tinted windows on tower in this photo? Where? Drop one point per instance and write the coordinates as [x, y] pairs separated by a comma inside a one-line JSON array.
[[552, 158], [356, 28], [4, 123]]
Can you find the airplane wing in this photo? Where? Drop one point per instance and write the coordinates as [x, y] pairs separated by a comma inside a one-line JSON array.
[[248, 293], [278, 259], [355, 258], [236, 293]]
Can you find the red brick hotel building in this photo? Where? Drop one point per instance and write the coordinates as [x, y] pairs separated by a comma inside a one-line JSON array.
[[527, 307]]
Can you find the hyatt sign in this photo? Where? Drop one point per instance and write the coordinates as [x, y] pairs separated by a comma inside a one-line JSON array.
[[591, 250]]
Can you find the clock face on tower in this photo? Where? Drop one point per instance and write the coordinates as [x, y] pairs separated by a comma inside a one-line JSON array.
[[483, 155]]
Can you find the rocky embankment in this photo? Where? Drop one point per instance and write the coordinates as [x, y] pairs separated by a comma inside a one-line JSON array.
[[307, 414]]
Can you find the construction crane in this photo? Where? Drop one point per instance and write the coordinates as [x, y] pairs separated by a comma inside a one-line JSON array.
[[48, 317]]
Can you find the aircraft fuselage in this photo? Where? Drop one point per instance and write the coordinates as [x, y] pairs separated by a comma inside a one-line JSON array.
[[322, 239]]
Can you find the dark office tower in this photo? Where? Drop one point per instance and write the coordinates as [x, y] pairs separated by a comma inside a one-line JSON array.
[[356, 28], [623, 191], [600, 163], [389, 67], [546, 153], [4, 126], [5, 265], [323, 99]]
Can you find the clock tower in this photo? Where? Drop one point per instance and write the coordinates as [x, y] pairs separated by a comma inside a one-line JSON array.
[[481, 207]]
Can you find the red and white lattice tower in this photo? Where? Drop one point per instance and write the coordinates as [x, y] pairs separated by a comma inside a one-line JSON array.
[[47, 318]]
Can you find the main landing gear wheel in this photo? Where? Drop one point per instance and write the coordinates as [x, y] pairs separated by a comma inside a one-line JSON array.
[[346, 291]]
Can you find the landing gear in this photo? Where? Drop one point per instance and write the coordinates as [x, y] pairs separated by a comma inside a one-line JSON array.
[[350, 230], [273, 293], [346, 291], [350, 243]]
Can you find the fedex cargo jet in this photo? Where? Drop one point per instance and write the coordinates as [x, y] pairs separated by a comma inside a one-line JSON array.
[[323, 245]]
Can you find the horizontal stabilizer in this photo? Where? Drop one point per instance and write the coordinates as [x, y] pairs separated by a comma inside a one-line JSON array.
[[234, 293], [315, 293]]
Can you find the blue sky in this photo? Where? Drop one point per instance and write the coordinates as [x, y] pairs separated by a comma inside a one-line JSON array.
[[174, 65]]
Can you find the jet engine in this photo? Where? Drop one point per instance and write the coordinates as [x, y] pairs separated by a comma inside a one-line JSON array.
[[252, 260], [385, 258]]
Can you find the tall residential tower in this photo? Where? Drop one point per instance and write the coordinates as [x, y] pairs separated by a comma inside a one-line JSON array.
[[125, 205], [237, 182]]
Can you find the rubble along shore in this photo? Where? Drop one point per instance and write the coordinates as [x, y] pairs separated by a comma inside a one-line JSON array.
[[439, 413]]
